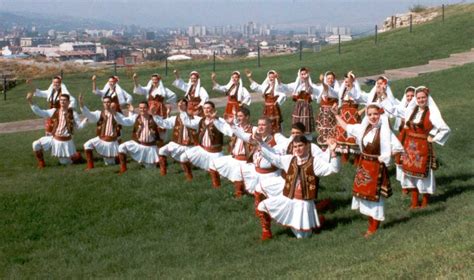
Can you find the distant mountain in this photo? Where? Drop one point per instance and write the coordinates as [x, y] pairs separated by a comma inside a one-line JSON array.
[[43, 23]]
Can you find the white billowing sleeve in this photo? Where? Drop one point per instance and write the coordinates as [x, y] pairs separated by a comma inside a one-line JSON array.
[[99, 92], [440, 133], [223, 127], [246, 99], [41, 93], [140, 90], [128, 98], [395, 144], [220, 88], [325, 168], [188, 122], [170, 96], [317, 152], [241, 134], [126, 121], [281, 97], [203, 95], [180, 84], [354, 130], [80, 124], [280, 161], [167, 123], [93, 117], [288, 88], [42, 113], [256, 87]]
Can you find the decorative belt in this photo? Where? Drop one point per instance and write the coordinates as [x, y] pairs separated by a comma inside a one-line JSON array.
[[417, 135], [148, 144], [62, 138], [369, 157], [240, 157], [108, 138], [213, 149], [265, 170]]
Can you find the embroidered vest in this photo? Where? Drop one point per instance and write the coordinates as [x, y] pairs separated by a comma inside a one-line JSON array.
[[102, 124], [177, 136], [69, 121], [152, 127], [309, 182]]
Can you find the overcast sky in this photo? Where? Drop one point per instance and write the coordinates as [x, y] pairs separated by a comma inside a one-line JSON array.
[[182, 13]]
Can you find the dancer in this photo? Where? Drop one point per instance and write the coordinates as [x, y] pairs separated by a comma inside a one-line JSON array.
[[273, 97], [237, 94], [325, 121], [195, 94]]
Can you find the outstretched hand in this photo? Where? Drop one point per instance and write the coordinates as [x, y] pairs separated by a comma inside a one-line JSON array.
[[213, 76], [94, 77], [29, 97], [81, 100], [248, 73], [332, 143]]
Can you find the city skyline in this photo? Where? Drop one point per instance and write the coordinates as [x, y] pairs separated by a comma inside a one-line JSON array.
[[283, 14]]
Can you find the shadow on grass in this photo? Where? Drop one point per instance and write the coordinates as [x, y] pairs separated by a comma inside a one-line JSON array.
[[451, 192], [413, 214]]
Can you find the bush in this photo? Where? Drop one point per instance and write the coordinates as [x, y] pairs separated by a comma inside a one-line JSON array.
[[417, 8]]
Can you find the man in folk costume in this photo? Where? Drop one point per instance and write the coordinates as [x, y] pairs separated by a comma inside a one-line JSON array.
[[195, 94], [230, 166], [160, 99], [382, 94], [105, 143], [52, 95], [63, 119], [350, 96], [295, 207], [210, 140], [371, 182], [399, 125], [424, 126], [182, 139], [273, 97], [304, 92], [325, 121], [260, 169], [120, 98], [145, 134], [237, 94]]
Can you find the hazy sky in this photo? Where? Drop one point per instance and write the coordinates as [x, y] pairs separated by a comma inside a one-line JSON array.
[[181, 13]]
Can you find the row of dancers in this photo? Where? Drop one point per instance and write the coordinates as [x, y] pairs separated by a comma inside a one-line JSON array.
[[282, 173]]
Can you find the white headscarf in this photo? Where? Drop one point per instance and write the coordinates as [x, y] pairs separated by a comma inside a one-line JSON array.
[[435, 114], [336, 86], [266, 82], [385, 134], [240, 94], [63, 88], [388, 91], [298, 83], [402, 105], [197, 89], [121, 94], [161, 87], [355, 93]]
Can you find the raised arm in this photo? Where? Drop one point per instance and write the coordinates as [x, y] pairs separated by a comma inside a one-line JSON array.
[[126, 121], [325, 167], [223, 127], [36, 110], [246, 98], [167, 123], [188, 122]]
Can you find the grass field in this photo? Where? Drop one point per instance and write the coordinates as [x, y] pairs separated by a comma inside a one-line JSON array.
[[395, 49], [62, 222]]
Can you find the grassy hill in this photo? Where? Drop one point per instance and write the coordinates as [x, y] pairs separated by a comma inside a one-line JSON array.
[[395, 49], [62, 222]]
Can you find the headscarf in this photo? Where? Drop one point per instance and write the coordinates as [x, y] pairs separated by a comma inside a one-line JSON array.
[[240, 94]]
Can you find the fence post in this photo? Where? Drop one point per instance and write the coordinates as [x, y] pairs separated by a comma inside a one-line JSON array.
[[214, 62], [443, 12], [258, 54], [411, 22], [376, 33], [166, 65], [115, 68], [339, 44], [4, 87], [301, 50], [62, 74]]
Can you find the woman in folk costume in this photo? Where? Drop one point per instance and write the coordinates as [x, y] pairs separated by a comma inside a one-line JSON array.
[[303, 92], [52, 95], [237, 94], [273, 97], [325, 121], [382, 94], [350, 96], [120, 98], [295, 207], [194, 93], [423, 127], [399, 125], [371, 182]]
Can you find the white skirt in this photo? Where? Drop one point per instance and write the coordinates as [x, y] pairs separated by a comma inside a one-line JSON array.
[[399, 173], [103, 148], [175, 151], [200, 157], [252, 178], [295, 213], [272, 186], [374, 209], [228, 167], [62, 149], [140, 153], [424, 185]]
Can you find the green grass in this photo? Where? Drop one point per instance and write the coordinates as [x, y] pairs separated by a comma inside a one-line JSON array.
[[62, 222], [395, 49]]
